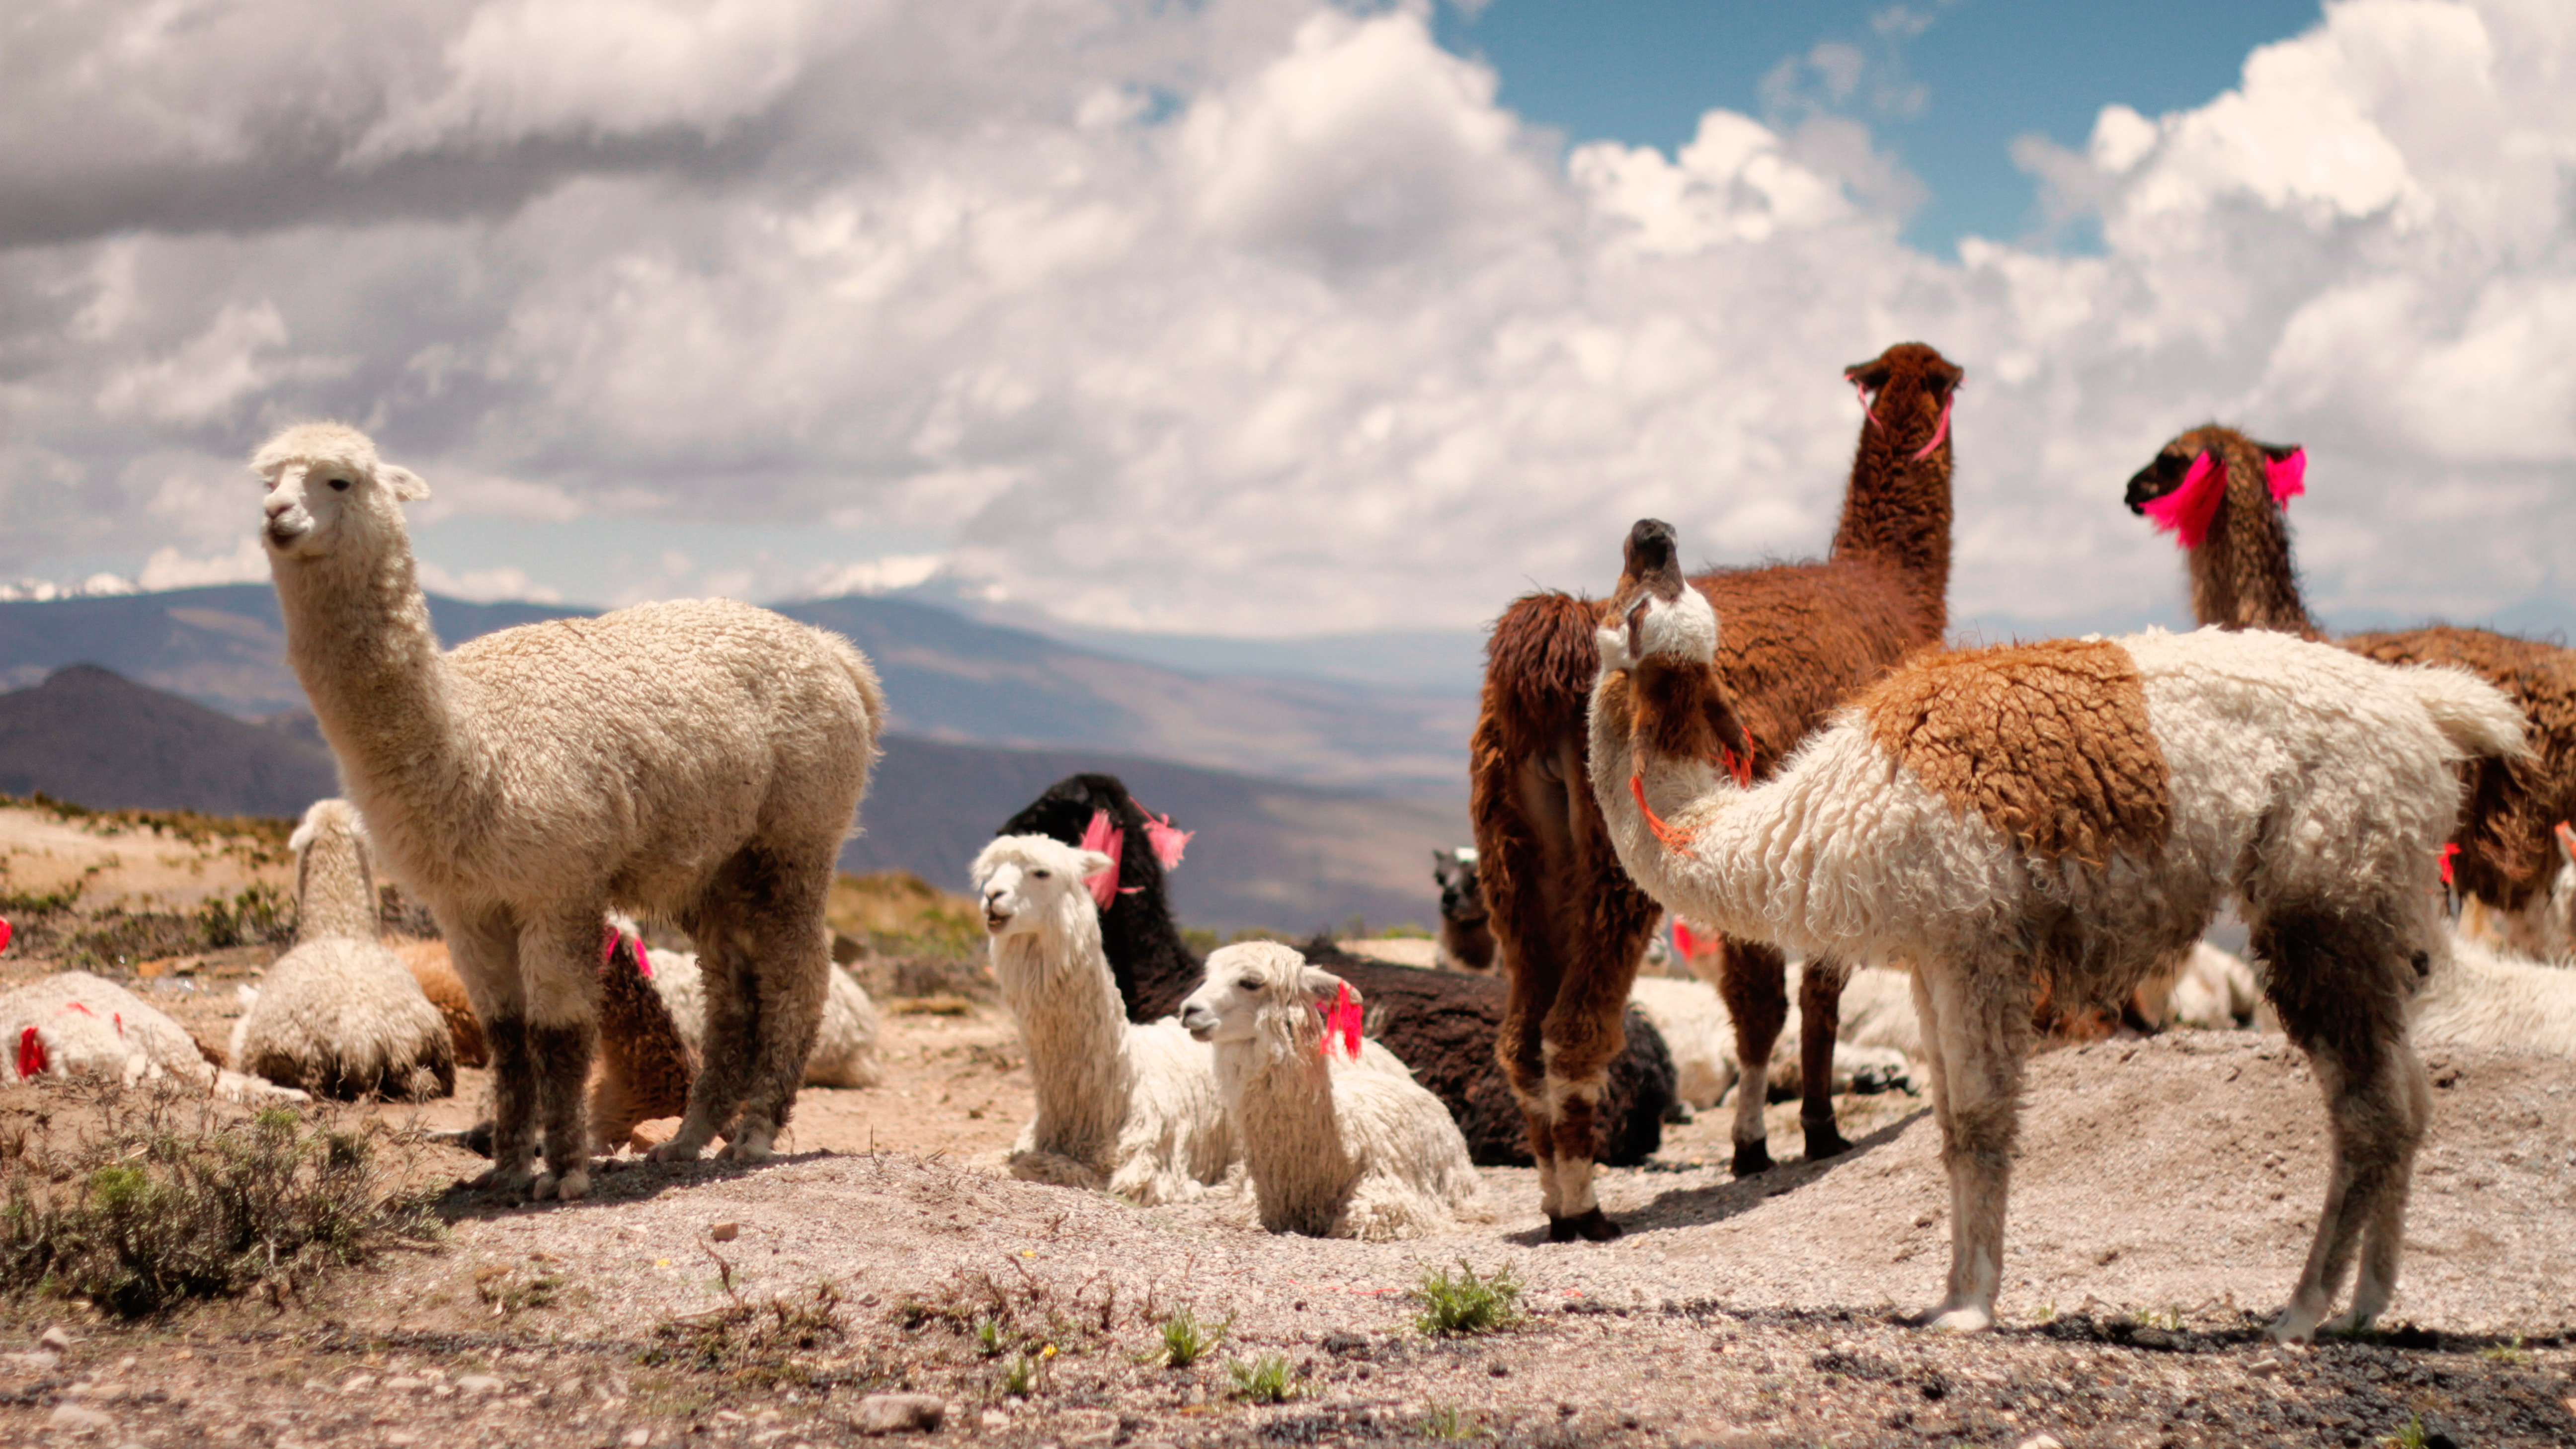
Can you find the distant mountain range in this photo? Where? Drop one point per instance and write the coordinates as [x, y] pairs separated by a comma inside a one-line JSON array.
[[947, 677], [1273, 853]]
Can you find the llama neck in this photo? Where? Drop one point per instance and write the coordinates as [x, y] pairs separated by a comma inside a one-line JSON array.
[[2241, 576], [1730, 875], [1074, 1027], [1896, 507], [335, 895], [1278, 1087], [359, 638]]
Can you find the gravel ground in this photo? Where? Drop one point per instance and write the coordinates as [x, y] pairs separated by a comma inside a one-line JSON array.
[[2161, 1207]]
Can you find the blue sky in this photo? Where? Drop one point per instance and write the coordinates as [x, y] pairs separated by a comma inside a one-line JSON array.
[[1947, 87], [1271, 318]]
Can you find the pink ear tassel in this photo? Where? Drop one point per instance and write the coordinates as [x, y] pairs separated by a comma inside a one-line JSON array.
[[4, 934], [2287, 476], [1343, 1021], [1102, 835], [607, 942], [2187, 510], [2450, 849], [31, 1053], [1940, 430], [643, 963], [1866, 409], [1168, 842]]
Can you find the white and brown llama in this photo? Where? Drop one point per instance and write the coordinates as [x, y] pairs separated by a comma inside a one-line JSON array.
[[2068, 814]]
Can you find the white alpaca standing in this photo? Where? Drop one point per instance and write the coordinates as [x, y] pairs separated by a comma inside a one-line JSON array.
[[340, 1014], [845, 1042], [2074, 812], [2483, 997], [1129, 1108], [701, 760], [1334, 1149]]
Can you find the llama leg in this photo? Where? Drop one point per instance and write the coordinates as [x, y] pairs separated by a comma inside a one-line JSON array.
[[558, 961], [1586, 1030], [485, 953], [717, 928], [1983, 1019], [1820, 1009], [790, 955], [1528, 991], [1520, 807], [1754, 979], [2341, 991]]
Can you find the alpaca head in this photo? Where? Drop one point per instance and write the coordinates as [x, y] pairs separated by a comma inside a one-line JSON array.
[[2210, 468], [327, 490], [1462, 892], [1664, 633], [1907, 391], [1257, 987], [1033, 884]]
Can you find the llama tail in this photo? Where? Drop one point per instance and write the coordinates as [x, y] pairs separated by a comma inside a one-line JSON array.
[[2479, 720]]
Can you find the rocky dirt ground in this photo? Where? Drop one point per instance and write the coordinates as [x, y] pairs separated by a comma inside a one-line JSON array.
[[2161, 1208]]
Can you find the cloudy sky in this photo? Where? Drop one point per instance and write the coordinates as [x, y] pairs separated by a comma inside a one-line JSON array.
[[1273, 316]]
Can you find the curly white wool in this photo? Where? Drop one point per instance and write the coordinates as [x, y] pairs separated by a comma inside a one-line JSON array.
[[1333, 1148], [845, 1044]]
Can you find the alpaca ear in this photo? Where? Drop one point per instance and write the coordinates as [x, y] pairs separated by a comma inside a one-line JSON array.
[[1094, 862], [1323, 985], [406, 484]]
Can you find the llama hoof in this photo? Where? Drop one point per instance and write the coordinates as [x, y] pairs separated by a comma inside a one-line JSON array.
[[1824, 1142], [573, 1186], [1561, 1230], [748, 1150], [504, 1182], [1595, 1227], [2293, 1327], [1752, 1157], [678, 1149], [1968, 1318]]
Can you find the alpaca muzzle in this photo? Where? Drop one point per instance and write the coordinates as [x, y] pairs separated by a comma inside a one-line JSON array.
[[1198, 1021]]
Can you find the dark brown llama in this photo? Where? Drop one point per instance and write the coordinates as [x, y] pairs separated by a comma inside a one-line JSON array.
[[2225, 497], [1800, 639]]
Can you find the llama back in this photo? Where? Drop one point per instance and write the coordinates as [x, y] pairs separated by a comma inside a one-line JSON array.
[[689, 740]]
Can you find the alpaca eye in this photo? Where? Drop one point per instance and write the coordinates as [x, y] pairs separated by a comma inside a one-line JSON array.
[[1252, 983], [1041, 875], [339, 485]]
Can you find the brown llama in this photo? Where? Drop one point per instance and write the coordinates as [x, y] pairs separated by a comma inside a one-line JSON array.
[[1801, 639], [2226, 498]]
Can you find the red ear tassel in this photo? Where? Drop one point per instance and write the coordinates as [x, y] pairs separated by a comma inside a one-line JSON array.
[[31, 1053], [4, 934], [2449, 850], [1103, 835]]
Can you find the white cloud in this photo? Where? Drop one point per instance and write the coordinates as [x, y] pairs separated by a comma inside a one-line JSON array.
[[1265, 317], [875, 575], [483, 586], [168, 568]]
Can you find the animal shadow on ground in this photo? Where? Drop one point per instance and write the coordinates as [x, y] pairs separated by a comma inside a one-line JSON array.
[[1699, 1206], [613, 1183]]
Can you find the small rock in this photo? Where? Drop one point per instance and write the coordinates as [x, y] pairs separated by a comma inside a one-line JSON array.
[[996, 1419], [637, 1438], [73, 1419], [725, 1232], [2263, 1368], [2040, 1441], [478, 1384], [405, 1384], [898, 1413], [55, 1339]]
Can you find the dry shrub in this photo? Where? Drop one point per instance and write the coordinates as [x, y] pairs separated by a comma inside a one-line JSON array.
[[171, 1196]]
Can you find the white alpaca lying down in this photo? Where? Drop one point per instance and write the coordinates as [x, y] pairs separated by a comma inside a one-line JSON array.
[[845, 1044], [1334, 1149], [73, 1024], [1701, 1037], [2483, 997], [1132, 1109]]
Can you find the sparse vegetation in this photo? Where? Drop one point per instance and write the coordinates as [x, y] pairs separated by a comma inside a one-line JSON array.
[[1025, 1313], [1448, 1421], [2409, 1436], [1020, 1377], [1459, 1304], [513, 1288], [1263, 1380], [256, 915], [1185, 1340], [758, 1343], [168, 1201], [898, 913], [2513, 1354]]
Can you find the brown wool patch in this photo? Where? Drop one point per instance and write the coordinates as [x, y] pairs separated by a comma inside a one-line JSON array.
[[2049, 742]]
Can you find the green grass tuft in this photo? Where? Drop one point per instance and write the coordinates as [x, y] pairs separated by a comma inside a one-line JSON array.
[[1185, 1340], [1264, 1380], [1461, 1304]]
